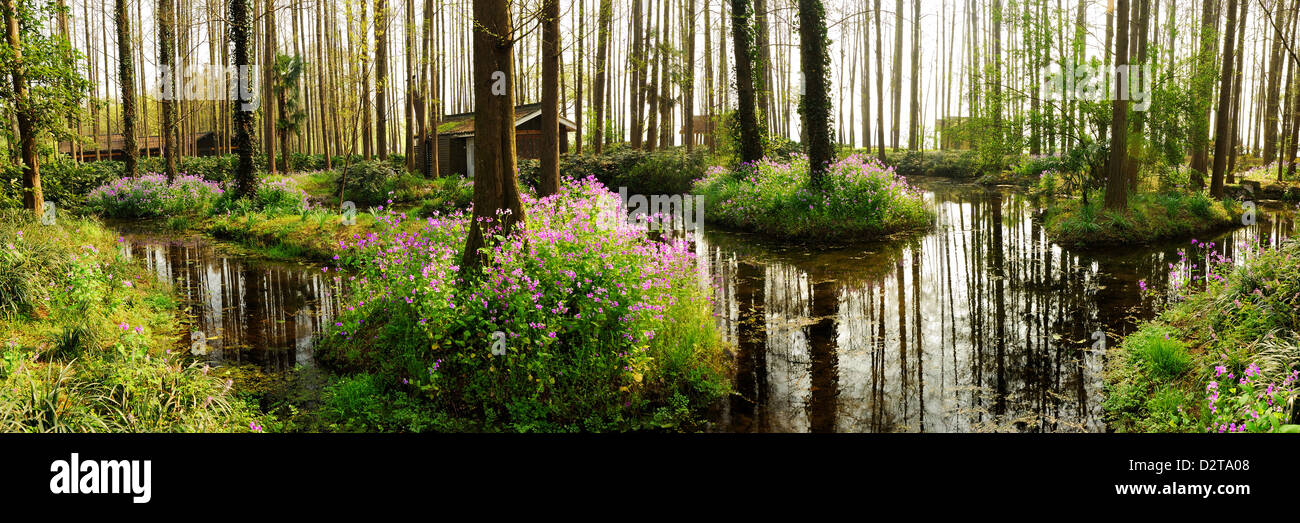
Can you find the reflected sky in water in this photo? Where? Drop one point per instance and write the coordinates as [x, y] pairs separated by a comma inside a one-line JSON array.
[[251, 311], [980, 325]]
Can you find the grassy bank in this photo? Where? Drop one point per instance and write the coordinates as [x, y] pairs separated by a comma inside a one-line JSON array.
[[1150, 217], [91, 342], [861, 200], [1223, 357]]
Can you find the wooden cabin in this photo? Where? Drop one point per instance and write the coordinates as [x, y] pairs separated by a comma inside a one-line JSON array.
[[113, 146], [456, 138]]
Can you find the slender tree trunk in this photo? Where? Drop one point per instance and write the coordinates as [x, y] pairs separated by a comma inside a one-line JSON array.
[[602, 74], [126, 78], [1116, 185], [1204, 87], [240, 27], [550, 154], [1222, 140], [33, 197], [688, 78], [1280, 22], [166, 28], [913, 129]]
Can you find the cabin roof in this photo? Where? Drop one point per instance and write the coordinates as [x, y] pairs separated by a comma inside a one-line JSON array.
[[462, 124]]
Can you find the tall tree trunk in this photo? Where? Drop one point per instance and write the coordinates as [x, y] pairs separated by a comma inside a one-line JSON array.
[[381, 78], [1116, 184], [496, 185], [688, 78], [751, 146], [166, 28], [1271, 92], [880, 87], [126, 78], [1222, 141], [33, 197], [602, 74], [1204, 86], [1234, 127], [815, 106], [895, 79], [666, 81], [240, 27], [638, 73], [550, 154], [913, 119], [763, 80]]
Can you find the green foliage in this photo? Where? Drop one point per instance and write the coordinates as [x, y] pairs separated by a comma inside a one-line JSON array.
[[860, 200], [1149, 217], [664, 171], [1163, 356], [368, 182], [1227, 350], [447, 195], [948, 164], [85, 348], [55, 86]]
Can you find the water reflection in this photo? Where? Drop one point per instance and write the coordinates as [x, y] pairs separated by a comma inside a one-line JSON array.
[[981, 325], [251, 312]]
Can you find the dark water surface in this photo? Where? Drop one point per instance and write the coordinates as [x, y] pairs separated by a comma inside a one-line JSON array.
[[251, 311], [980, 325]]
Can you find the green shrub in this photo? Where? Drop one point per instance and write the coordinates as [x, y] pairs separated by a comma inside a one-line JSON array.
[[368, 182], [862, 200], [88, 349], [151, 195], [586, 348]]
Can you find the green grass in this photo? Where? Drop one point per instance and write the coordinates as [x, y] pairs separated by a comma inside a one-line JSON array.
[[861, 200], [1156, 380], [1149, 217], [90, 342]]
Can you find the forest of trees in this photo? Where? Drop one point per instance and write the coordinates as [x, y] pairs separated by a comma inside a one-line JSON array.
[[373, 78]]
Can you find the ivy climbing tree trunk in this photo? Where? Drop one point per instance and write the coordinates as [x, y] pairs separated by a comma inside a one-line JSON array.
[[166, 49], [751, 149], [240, 27], [815, 105]]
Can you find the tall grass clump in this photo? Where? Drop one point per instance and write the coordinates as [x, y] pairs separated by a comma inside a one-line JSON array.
[[861, 199], [598, 327]]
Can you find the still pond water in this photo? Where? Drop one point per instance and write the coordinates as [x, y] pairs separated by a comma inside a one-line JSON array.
[[980, 325]]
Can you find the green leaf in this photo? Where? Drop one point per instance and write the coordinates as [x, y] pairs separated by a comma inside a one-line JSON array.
[[1289, 429]]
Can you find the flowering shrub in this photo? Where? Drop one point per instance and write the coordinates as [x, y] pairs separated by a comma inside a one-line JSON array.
[[278, 194], [150, 195], [601, 327], [1248, 406], [861, 198], [1239, 316]]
